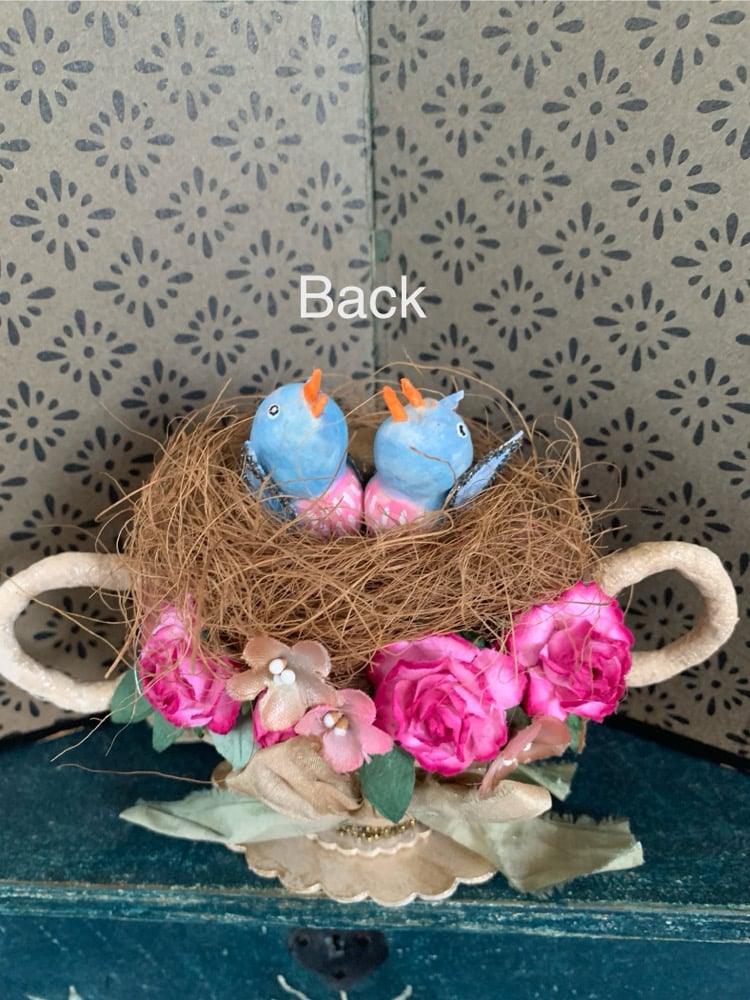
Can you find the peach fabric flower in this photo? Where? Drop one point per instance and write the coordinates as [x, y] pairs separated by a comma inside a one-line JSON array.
[[293, 679], [345, 728], [179, 680], [543, 737], [576, 651]]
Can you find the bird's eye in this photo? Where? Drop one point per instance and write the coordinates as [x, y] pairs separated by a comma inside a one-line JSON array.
[[462, 430], [273, 410]]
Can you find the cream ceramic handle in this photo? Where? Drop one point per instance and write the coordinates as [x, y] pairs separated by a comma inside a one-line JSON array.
[[65, 571], [715, 622]]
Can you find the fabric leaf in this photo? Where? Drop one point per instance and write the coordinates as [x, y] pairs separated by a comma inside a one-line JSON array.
[[220, 816], [387, 782], [236, 746], [163, 734], [554, 775], [128, 704]]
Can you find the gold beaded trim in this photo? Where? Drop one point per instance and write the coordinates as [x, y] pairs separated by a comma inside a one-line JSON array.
[[376, 832]]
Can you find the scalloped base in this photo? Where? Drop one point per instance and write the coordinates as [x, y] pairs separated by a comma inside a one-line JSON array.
[[419, 863]]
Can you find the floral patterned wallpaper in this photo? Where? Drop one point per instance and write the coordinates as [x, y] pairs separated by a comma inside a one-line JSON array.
[[566, 179], [167, 173]]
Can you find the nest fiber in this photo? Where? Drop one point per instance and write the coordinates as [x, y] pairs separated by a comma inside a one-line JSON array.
[[198, 538]]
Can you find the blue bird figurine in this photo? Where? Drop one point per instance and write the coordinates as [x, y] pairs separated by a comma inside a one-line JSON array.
[[423, 459], [295, 459]]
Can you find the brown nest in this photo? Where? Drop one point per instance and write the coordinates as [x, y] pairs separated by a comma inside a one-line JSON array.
[[196, 531]]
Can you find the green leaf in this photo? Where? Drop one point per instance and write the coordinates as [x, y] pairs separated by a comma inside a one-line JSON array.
[[164, 733], [476, 637], [387, 782], [577, 727], [221, 816], [554, 775], [128, 704], [237, 745]]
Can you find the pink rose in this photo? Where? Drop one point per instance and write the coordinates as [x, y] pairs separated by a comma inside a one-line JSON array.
[[444, 699], [179, 680], [576, 650], [268, 737]]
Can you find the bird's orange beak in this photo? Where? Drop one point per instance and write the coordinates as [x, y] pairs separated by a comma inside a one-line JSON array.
[[413, 396], [314, 398], [394, 404]]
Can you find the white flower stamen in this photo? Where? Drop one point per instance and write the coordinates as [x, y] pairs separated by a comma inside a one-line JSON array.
[[287, 676], [277, 665]]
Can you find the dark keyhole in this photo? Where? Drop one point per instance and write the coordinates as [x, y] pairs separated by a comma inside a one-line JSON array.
[[340, 957]]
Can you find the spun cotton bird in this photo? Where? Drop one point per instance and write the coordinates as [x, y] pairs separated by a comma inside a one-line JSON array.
[[423, 459], [295, 459]]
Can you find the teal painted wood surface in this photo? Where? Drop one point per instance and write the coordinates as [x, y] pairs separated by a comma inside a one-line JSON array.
[[90, 901]]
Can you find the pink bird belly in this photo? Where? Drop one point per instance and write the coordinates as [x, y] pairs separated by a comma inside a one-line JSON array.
[[337, 511], [384, 510]]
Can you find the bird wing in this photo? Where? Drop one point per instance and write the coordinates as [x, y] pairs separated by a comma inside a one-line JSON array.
[[475, 479], [258, 482]]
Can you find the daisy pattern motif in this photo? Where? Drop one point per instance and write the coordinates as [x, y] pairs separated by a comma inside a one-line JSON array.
[[516, 311], [459, 242], [595, 109], [82, 628], [107, 464], [704, 400], [38, 67], [532, 34], [143, 281], [202, 211], [125, 142], [571, 378], [402, 178], [269, 273], [718, 685], [630, 444], [186, 68], [641, 326], [33, 421], [451, 349], [54, 527], [216, 336], [269, 375], [585, 252], [62, 219], [258, 139], [720, 266], [525, 179], [659, 617], [729, 109], [397, 326], [664, 186], [319, 68], [462, 107], [87, 352], [405, 43], [331, 340], [161, 395], [680, 35], [685, 516], [20, 296], [326, 205]]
